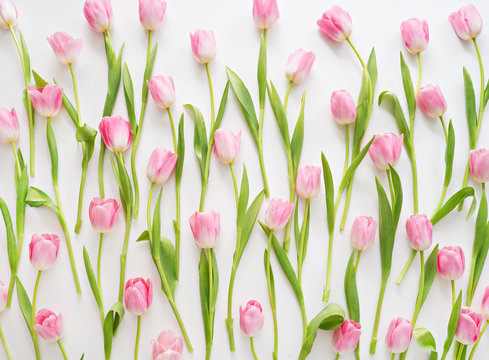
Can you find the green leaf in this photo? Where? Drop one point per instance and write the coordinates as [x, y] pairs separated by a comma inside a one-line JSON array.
[[204, 295], [244, 192], [129, 96], [91, 278], [53, 151], [220, 113], [470, 111], [331, 317], [364, 109], [36, 198], [38, 80], [111, 324], [430, 272], [372, 69], [386, 231], [25, 305], [480, 225], [200, 139], [180, 151], [262, 72], [248, 223], [71, 110], [273, 298], [452, 325], [156, 230], [452, 203], [125, 187], [168, 264], [486, 96], [22, 189], [280, 115], [398, 197], [86, 134], [114, 80], [246, 103], [25, 56], [449, 152], [11, 241], [143, 237], [351, 292], [481, 259], [297, 141], [305, 231], [148, 70], [425, 340], [472, 208], [329, 191], [408, 88]]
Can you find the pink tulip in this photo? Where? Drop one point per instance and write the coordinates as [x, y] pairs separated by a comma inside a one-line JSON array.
[[8, 14], [65, 47], [415, 34], [43, 251], [203, 45], [343, 107], [468, 327], [162, 90], [466, 22], [308, 181], [479, 165], [9, 126], [138, 295], [485, 304], [46, 101], [103, 214], [98, 14], [205, 227], [278, 213], [48, 325], [299, 65], [168, 346], [116, 132], [265, 13], [398, 335], [345, 338], [431, 101], [226, 145], [161, 165], [151, 13], [3, 296], [419, 230], [335, 24], [385, 150], [251, 318], [363, 232], [450, 262]]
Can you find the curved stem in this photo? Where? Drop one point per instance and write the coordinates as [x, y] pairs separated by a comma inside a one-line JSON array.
[[327, 287], [34, 297], [358, 260], [148, 209], [272, 297], [81, 191], [62, 349], [174, 134], [444, 128], [138, 332], [347, 149], [7, 350], [236, 194], [481, 69], [474, 348], [300, 259], [99, 262], [62, 221], [211, 92], [356, 53], [253, 348], [287, 93], [123, 258], [453, 292], [77, 99], [373, 341], [442, 198], [420, 73], [17, 162], [406, 267], [304, 319]]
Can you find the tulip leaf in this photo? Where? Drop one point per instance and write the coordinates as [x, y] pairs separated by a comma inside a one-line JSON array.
[[430, 272], [148, 70], [470, 111], [486, 96], [304, 234], [398, 196], [480, 225], [449, 152], [204, 295], [244, 192], [408, 88], [246, 103], [11, 241], [36, 198], [452, 325], [22, 189], [386, 231], [329, 318], [156, 231], [452, 203], [25, 306], [26, 58], [53, 151], [472, 208], [262, 72], [71, 110], [351, 292], [143, 237], [425, 339], [481, 259], [364, 109], [168, 263], [280, 115], [248, 223], [129, 96], [85, 133], [180, 151], [329, 191], [297, 230], [114, 79], [220, 113], [200, 139], [111, 324], [125, 187], [91, 279], [38, 80], [273, 298], [297, 141]]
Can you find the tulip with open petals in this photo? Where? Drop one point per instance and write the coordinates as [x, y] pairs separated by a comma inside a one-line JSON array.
[[138, 295], [450, 262], [48, 325], [398, 335], [308, 181], [299, 65], [205, 227], [203, 45], [278, 213], [485, 304], [467, 22], [43, 251], [9, 126], [103, 213], [162, 90], [335, 24], [251, 318], [46, 101], [116, 133], [168, 346], [468, 327], [385, 150], [415, 34], [98, 14], [431, 101], [479, 165], [65, 47], [151, 13]]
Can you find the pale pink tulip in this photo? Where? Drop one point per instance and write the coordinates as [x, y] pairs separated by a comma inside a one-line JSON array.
[[415, 34], [203, 45], [3, 296], [343, 107], [468, 327], [151, 13], [162, 90], [278, 213], [265, 13], [299, 65], [205, 227], [103, 213], [251, 318], [308, 181], [467, 22], [8, 14], [9, 126], [48, 325], [116, 133], [65, 47], [398, 335], [362, 233], [226, 145], [168, 346], [431, 101], [485, 304], [345, 338], [138, 295], [46, 101], [479, 165], [161, 165], [43, 251], [450, 262], [335, 24], [419, 230], [98, 14], [385, 150]]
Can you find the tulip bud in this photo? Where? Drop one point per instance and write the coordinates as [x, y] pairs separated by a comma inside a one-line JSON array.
[[151, 13], [385, 150], [343, 107], [415, 34], [48, 325], [43, 251], [3, 296], [265, 13], [203, 45], [226, 145], [345, 338], [479, 165], [46, 101], [299, 65], [468, 327], [9, 126], [363, 232], [8, 14], [398, 335], [308, 181], [419, 230], [138, 295], [98, 14], [431, 101], [251, 318], [116, 133], [103, 214], [335, 24], [450, 262], [168, 346], [65, 47], [466, 22], [162, 90], [161, 166], [485, 304], [278, 213], [205, 227]]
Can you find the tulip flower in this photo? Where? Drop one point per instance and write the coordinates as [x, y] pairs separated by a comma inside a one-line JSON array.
[[385, 150], [162, 90], [116, 133], [343, 107], [415, 34], [103, 214], [9, 126], [308, 181], [278, 213], [345, 338], [65, 47], [363, 232], [450, 262], [43, 251], [151, 13], [98, 14], [138, 295], [48, 325], [419, 230], [468, 327], [203, 45], [479, 165], [466, 22], [265, 13], [299, 65], [3, 296], [398, 335], [168, 346], [226, 145], [335, 24], [251, 318], [205, 227], [485, 304], [8, 14], [161, 166], [431, 101], [46, 101]]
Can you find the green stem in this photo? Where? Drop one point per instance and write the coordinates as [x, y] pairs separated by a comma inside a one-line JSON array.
[[358, 260], [174, 134], [34, 297], [442, 198], [123, 258], [391, 186], [229, 320], [415, 181], [17, 162], [337, 356], [148, 209], [356, 53], [460, 351], [260, 153], [444, 128], [287, 93], [304, 319], [253, 348], [101, 168], [177, 229], [272, 298], [470, 293], [62, 349], [138, 332], [211, 307], [347, 149], [347, 204], [62, 221], [373, 341], [81, 191], [291, 175], [474, 348], [77, 99], [406, 267], [453, 292], [417, 308], [481, 108], [393, 356], [7, 350], [211, 92], [327, 287], [418, 84], [235, 185], [300, 259], [99, 262]]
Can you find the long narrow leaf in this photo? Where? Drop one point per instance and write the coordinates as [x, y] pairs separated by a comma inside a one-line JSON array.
[[129, 96], [452, 203], [200, 138], [430, 272], [408, 88], [452, 325], [470, 111], [351, 292], [148, 70], [297, 141], [180, 151], [53, 151], [280, 115], [91, 278], [220, 112], [262, 72], [329, 191], [386, 231], [449, 153], [11, 241]]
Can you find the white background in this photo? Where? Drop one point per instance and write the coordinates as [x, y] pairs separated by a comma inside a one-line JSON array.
[[375, 23]]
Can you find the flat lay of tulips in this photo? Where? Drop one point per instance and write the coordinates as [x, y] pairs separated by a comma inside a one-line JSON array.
[[279, 226]]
